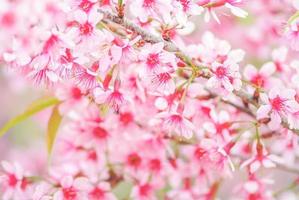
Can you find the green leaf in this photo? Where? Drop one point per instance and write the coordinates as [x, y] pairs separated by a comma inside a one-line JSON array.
[[34, 108], [53, 126], [122, 190]]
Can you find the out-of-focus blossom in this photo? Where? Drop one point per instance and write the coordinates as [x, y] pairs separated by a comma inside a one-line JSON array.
[[280, 103]]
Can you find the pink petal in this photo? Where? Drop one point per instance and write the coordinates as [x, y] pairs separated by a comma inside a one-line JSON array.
[[263, 111], [255, 166], [67, 181], [274, 124], [250, 71], [268, 69]]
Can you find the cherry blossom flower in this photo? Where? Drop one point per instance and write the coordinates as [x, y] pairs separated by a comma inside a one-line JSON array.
[[279, 104], [86, 23], [186, 8], [13, 182], [230, 4], [143, 191], [225, 76], [154, 57], [262, 77], [101, 190], [43, 71], [162, 82], [220, 124], [261, 159], [145, 8], [255, 188], [279, 57], [114, 98], [292, 35], [175, 123], [69, 189], [71, 96], [86, 78]]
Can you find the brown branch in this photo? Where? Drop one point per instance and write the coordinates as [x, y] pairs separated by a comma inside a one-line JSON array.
[[146, 36], [171, 47]]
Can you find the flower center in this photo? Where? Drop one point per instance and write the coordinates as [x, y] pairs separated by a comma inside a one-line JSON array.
[[97, 193], [163, 77], [148, 3], [144, 190], [69, 193], [220, 72], [76, 93], [258, 80], [185, 4], [100, 132], [86, 29], [199, 152], [86, 5], [153, 60], [176, 119], [277, 103], [8, 19], [92, 155], [126, 118], [155, 164], [134, 160], [12, 180]]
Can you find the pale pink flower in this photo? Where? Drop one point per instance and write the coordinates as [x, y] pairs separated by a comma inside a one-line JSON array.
[[210, 49], [220, 124], [292, 35], [95, 191], [69, 189], [114, 98], [279, 104], [86, 23], [230, 4], [162, 82], [13, 182], [255, 188], [71, 97], [155, 58], [145, 8], [225, 76], [85, 5], [184, 8], [122, 49], [279, 57], [260, 78], [43, 70], [176, 123], [86, 78], [261, 159], [143, 191], [42, 191]]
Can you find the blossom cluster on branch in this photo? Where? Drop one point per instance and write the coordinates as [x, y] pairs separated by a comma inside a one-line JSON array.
[[149, 103]]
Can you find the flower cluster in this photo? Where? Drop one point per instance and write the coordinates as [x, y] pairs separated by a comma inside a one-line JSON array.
[[144, 109]]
